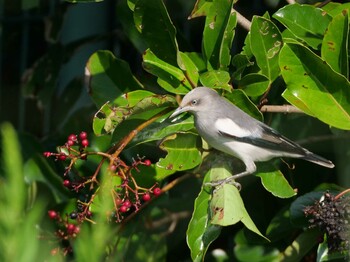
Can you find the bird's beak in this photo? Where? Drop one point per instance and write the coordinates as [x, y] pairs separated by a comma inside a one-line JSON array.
[[178, 111]]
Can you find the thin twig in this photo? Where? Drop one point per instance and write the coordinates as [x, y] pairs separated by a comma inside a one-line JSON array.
[[280, 109], [291, 2], [242, 21]]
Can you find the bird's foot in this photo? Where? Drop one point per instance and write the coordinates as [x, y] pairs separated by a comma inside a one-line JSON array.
[[219, 183]]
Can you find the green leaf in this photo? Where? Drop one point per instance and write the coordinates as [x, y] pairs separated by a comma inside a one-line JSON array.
[[248, 253], [161, 128], [254, 84], [218, 34], [189, 67], [240, 62], [131, 104], [280, 226], [183, 154], [305, 21], [153, 21], [109, 77], [201, 8], [266, 43], [201, 233], [198, 60], [226, 206], [335, 44], [276, 184], [170, 77], [216, 79], [240, 99], [334, 9], [315, 86]]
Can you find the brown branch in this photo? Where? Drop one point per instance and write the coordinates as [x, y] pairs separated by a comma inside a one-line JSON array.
[[280, 109], [127, 139]]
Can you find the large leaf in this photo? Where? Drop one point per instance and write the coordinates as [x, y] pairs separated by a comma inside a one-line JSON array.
[[335, 44], [266, 43], [129, 104], [226, 206], [189, 67], [201, 233], [216, 79], [305, 21], [109, 77], [314, 86], [153, 21], [183, 154], [218, 34], [170, 77], [201, 8], [254, 84]]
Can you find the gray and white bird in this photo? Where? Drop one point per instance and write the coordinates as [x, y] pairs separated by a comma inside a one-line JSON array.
[[227, 128]]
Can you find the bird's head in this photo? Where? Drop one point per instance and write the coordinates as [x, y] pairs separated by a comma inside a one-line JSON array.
[[197, 100]]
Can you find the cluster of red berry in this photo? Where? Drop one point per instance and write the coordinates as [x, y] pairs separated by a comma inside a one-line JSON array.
[[128, 196]]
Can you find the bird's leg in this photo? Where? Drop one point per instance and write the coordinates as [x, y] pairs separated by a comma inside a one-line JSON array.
[[250, 168], [228, 180]]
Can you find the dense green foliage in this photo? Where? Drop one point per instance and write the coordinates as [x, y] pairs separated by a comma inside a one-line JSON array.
[[298, 54]]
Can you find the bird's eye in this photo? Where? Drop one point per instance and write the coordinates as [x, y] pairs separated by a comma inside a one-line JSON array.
[[194, 102]]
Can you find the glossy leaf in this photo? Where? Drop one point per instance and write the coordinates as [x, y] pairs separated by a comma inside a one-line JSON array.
[[153, 21], [189, 68], [315, 86], [335, 44], [266, 43], [276, 184], [109, 77], [254, 84], [305, 21], [334, 9], [182, 154], [218, 34], [201, 233], [170, 77], [130, 104], [216, 79]]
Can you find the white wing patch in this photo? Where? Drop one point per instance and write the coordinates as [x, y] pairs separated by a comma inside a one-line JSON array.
[[229, 127]]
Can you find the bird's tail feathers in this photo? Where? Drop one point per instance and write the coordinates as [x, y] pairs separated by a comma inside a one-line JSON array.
[[311, 157]]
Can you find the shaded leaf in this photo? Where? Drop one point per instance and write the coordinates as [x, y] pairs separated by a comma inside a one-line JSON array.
[[201, 233], [314, 86], [189, 67], [201, 8], [266, 43], [335, 44], [153, 21], [248, 253], [109, 77], [305, 21]]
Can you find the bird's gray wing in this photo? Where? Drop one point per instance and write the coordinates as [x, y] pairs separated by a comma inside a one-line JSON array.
[[269, 139]]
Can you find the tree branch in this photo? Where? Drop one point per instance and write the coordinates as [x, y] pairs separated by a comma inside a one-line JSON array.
[[280, 109], [242, 21]]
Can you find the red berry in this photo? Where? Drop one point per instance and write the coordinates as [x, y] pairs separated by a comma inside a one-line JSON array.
[[70, 142], [62, 157], [147, 162], [113, 168], [83, 135], [66, 183], [85, 143], [71, 228], [52, 214], [146, 197], [127, 203], [72, 137], [123, 209], [47, 154], [157, 191]]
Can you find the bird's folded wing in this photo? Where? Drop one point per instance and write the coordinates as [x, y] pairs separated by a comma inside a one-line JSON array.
[[268, 139]]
